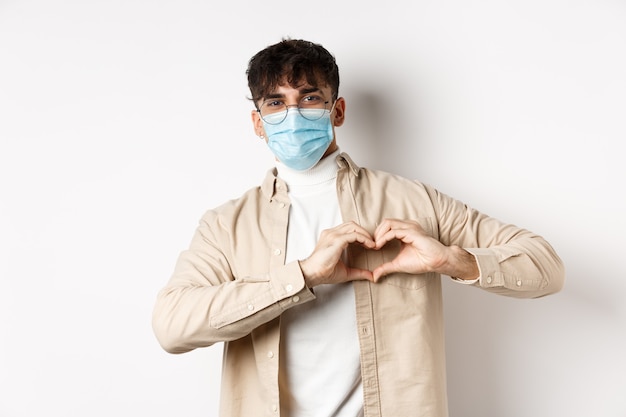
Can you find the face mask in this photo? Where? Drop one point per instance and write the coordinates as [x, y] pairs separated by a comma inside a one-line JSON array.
[[297, 142]]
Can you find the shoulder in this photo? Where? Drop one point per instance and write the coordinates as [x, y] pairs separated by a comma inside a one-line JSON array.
[[253, 197], [231, 209], [390, 181], [375, 176]]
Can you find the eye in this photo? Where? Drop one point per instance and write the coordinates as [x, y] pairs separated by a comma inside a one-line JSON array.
[[312, 101], [273, 103]]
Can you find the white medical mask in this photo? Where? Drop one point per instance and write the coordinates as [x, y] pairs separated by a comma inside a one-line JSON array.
[[297, 142]]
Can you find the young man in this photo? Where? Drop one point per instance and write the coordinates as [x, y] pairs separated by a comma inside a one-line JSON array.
[[324, 281]]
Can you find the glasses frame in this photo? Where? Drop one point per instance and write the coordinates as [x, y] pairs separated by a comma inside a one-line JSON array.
[[297, 106]]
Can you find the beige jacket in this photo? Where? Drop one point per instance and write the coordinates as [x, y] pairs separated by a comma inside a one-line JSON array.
[[232, 285]]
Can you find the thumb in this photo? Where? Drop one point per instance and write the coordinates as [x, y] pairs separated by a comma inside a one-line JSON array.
[[383, 269], [357, 274]]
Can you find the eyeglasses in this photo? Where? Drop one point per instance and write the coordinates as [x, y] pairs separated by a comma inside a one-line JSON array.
[[311, 107]]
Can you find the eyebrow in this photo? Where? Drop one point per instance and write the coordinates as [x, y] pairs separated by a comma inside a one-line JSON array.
[[302, 91]]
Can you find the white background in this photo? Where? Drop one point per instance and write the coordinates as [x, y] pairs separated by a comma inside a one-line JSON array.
[[121, 122]]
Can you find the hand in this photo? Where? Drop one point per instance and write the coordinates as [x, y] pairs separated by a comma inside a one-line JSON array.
[[420, 253], [325, 266]]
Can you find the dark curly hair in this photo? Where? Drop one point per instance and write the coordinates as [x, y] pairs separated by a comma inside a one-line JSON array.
[[292, 60]]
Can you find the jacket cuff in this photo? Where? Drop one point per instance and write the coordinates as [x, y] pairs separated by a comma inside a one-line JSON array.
[[488, 267], [289, 286]]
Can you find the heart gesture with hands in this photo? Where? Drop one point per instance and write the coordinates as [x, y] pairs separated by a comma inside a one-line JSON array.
[[325, 266], [419, 253]]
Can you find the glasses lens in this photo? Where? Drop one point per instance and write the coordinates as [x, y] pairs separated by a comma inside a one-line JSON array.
[[275, 113], [311, 114], [274, 118]]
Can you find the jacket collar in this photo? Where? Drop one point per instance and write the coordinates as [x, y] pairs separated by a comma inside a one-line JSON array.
[[344, 161], [272, 184]]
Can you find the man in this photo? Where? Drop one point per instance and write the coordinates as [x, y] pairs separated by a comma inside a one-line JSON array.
[[324, 281]]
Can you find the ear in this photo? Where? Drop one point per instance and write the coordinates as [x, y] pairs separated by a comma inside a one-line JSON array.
[[257, 123], [339, 112]]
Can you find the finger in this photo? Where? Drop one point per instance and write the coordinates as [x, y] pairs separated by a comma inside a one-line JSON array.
[[382, 270], [357, 274], [363, 239], [382, 228], [392, 234], [390, 229], [388, 224], [351, 232]]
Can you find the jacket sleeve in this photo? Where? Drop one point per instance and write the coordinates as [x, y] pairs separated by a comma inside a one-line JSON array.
[[512, 261], [204, 303]]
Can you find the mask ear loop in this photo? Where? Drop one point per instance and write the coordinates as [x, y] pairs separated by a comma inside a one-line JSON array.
[[333, 106], [260, 135]]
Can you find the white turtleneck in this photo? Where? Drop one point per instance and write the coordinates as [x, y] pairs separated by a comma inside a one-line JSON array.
[[319, 356]]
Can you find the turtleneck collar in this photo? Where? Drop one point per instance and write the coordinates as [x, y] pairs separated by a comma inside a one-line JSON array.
[[325, 170]]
